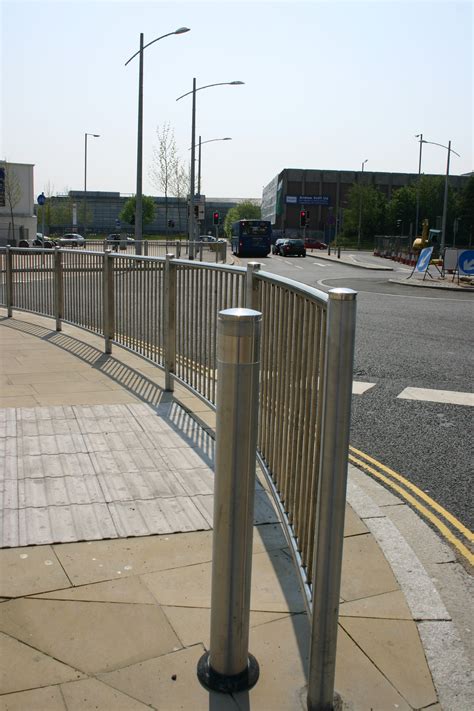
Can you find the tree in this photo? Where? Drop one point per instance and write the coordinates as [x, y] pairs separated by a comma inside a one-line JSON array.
[[465, 210], [246, 210], [370, 204], [12, 190], [129, 209], [179, 185], [163, 167]]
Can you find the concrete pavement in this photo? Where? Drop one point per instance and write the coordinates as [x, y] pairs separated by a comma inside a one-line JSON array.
[[105, 564]]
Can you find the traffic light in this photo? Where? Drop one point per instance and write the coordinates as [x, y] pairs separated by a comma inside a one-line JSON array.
[[215, 218], [303, 216], [196, 211]]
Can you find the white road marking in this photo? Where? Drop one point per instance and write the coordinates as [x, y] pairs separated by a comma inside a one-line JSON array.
[[449, 397], [358, 387], [318, 264], [298, 266]]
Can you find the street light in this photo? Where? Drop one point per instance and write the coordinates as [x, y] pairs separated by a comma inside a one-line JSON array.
[[420, 136], [139, 196], [201, 143], [360, 207], [445, 200], [94, 135], [191, 235]]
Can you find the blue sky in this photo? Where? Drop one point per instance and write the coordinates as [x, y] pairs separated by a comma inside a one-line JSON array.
[[327, 85]]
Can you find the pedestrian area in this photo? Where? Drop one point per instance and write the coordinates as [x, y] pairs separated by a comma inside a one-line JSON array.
[[105, 563]]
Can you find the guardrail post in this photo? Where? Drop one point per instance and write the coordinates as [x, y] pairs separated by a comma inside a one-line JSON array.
[[228, 667], [169, 322], [58, 288], [108, 301], [337, 394], [145, 248], [251, 286], [9, 280], [178, 248]]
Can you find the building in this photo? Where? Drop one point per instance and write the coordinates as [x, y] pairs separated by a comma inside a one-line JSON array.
[[104, 208], [323, 194], [17, 216]]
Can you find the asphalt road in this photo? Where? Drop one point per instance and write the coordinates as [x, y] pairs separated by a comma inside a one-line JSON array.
[[406, 337]]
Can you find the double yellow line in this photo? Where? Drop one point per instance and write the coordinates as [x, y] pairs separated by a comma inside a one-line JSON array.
[[417, 498]]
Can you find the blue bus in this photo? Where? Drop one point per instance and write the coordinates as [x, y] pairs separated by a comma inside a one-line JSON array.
[[251, 238]]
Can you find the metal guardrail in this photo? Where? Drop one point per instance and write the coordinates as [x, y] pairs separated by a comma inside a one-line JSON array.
[[166, 310], [204, 251]]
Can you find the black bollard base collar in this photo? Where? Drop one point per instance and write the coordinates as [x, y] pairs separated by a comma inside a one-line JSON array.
[[227, 684]]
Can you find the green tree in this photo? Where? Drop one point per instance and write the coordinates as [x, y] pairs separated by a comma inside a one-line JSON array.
[[13, 192], [465, 211], [246, 210], [369, 205], [148, 210]]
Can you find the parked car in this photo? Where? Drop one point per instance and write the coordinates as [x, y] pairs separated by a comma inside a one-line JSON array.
[[292, 247], [118, 240], [39, 241], [207, 238], [72, 239], [310, 243], [277, 245]]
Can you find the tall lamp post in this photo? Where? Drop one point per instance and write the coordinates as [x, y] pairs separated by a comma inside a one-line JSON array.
[[201, 143], [360, 207], [417, 216], [191, 221], [139, 194], [94, 135], [446, 186]]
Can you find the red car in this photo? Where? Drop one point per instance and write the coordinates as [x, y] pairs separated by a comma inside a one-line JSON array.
[[315, 244]]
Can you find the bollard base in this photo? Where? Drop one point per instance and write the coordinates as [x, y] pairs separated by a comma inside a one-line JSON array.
[[227, 684]]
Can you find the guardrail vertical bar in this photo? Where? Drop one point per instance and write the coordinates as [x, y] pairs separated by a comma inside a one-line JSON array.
[[331, 499], [169, 334], [108, 301], [9, 280], [228, 666], [58, 288], [251, 286]]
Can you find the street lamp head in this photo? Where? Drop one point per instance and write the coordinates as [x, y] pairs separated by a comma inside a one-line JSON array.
[[181, 30], [234, 83], [226, 139], [96, 135]]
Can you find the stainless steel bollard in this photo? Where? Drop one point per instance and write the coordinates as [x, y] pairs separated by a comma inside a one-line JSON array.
[[251, 285], [169, 314], [108, 301], [339, 359], [228, 667], [58, 288]]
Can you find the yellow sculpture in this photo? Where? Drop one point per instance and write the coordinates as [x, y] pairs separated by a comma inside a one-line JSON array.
[[420, 242]]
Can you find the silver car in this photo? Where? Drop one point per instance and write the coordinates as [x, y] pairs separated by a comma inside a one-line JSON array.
[[72, 239]]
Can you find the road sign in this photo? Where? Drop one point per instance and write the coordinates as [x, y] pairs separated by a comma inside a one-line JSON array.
[[466, 262], [424, 260], [41, 199]]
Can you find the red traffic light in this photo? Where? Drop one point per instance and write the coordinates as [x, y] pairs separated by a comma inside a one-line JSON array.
[[303, 218], [215, 218]]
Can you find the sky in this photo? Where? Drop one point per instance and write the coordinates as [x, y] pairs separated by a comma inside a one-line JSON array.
[[328, 85]]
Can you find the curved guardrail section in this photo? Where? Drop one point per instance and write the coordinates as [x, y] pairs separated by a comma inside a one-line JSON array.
[[166, 310]]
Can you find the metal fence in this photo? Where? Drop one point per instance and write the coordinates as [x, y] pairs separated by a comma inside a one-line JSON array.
[[166, 309]]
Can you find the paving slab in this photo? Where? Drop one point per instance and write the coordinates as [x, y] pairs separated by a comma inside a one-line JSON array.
[[48, 698], [25, 667], [28, 571], [169, 682], [93, 637]]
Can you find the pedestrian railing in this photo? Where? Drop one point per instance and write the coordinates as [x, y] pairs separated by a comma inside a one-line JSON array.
[[166, 310], [203, 251]]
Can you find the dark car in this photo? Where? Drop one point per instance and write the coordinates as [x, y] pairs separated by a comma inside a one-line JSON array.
[[277, 245], [314, 244], [292, 248], [119, 241]]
